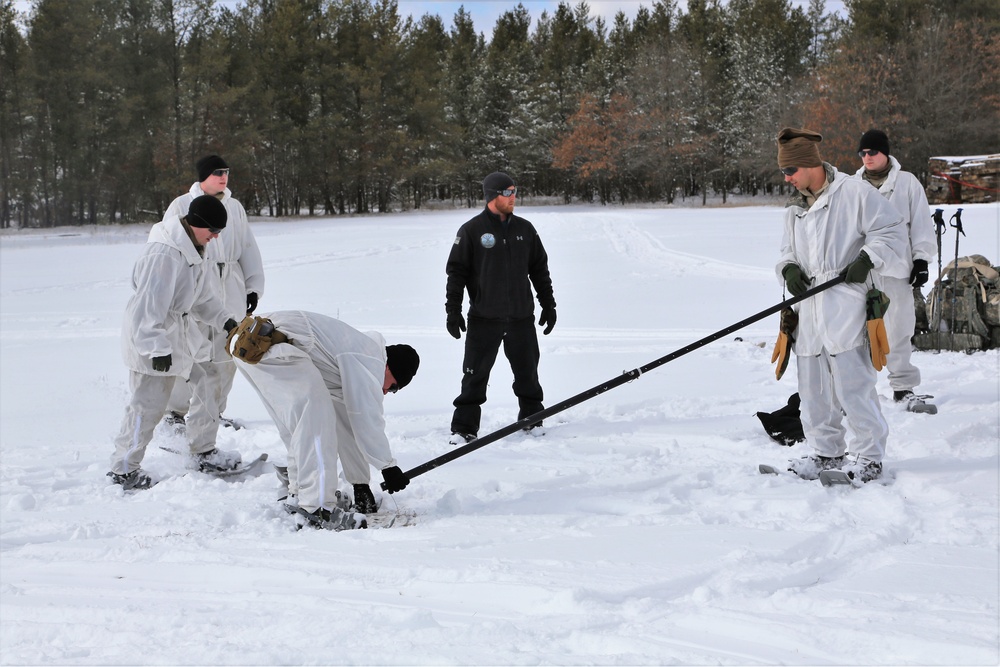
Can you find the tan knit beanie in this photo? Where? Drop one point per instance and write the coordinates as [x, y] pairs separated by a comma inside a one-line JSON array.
[[798, 148]]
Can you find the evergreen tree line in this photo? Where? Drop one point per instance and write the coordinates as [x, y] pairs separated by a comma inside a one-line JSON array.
[[343, 106]]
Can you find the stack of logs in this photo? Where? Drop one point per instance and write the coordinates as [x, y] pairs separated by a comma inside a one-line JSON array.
[[964, 180]]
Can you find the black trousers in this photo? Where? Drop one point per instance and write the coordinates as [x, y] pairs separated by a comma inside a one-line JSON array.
[[482, 342]]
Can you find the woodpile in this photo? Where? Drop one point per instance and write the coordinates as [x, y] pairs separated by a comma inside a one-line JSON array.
[[972, 179]]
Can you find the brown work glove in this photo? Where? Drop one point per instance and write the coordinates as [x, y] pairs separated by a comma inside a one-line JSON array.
[[876, 304], [783, 346]]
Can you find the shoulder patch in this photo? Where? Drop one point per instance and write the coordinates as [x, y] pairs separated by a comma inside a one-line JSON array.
[[458, 239]]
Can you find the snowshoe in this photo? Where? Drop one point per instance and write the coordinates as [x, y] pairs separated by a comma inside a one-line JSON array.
[[281, 472], [218, 460], [335, 519], [914, 402], [137, 480], [856, 474], [810, 467]]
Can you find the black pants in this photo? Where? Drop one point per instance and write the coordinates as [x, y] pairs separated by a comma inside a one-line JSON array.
[[520, 345]]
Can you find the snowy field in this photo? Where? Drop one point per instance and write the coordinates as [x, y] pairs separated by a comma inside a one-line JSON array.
[[637, 531]]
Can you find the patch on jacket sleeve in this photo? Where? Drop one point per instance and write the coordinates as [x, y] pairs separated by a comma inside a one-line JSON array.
[[458, 239]]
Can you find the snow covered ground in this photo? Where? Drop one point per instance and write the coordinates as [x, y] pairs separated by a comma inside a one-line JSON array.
[[636, 531]]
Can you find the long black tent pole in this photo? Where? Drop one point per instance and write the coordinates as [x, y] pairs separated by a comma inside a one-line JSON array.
[[628, 376]]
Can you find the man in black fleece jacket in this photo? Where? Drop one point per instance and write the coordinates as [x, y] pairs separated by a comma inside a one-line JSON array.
[[494, 257]]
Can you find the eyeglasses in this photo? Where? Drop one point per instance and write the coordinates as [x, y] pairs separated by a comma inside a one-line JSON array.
[[393, 388], [220, 172], [789, 171], [868, 153], [216, 231], [509, 192]]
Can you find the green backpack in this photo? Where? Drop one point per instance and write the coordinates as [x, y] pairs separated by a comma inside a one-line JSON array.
[[963, 308]]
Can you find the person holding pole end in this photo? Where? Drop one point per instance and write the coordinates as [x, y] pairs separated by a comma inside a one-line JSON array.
[[497, 257], [323, 383], [904, 191], [835, 225]]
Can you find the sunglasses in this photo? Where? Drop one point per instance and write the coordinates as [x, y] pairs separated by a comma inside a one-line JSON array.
[[789, 171], [868, 153], [509, 192], [213, 230], [220, 172], [393, 388]]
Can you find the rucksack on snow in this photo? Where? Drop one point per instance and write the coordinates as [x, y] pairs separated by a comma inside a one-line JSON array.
[[963, 308]]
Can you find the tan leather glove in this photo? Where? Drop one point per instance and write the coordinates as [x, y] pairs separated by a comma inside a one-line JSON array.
[[783, 346], [878, 343]]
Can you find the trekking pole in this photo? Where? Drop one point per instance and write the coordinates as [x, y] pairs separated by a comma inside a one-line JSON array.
[[628, 376], [940, 227], [956, 222]]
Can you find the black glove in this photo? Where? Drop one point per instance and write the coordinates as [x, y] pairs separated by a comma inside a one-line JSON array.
[[548, 317], [162, 364], [919, 275], [857, 271], [395, 480], [456, 323], [229, 325], [796, 281], [251, 302]]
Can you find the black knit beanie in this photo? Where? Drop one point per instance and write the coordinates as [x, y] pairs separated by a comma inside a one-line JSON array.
[[874, 140], [206, 165], [496, 183], [207, 212], [403, 362]]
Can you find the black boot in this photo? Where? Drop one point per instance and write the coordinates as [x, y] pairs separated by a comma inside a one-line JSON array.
[[364, 500]]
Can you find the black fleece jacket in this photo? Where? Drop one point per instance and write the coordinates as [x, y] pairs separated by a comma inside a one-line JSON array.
[[494, 260]]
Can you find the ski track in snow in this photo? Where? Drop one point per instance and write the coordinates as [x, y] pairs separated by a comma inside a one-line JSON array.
[[644, 248], [635, 531]]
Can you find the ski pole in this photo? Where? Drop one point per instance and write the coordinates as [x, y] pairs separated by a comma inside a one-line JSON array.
[[940, 227], [956, 222], [627, 376]]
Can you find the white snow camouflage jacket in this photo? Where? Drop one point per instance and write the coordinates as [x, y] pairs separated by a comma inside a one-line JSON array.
[[905, 192], [168, 281], [234, 259], [849, 217], [352, 364]]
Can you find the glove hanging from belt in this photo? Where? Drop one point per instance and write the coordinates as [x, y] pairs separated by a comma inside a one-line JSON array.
[[783, 346], [876, 304]]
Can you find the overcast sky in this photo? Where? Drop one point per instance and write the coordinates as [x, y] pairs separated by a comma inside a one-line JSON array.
[[485, 12]]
